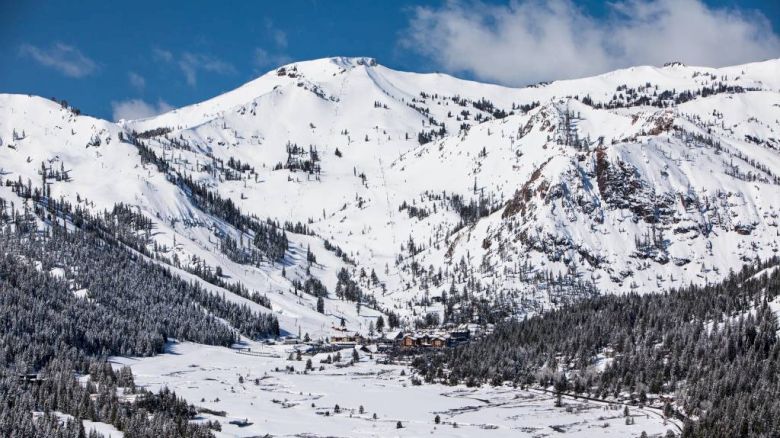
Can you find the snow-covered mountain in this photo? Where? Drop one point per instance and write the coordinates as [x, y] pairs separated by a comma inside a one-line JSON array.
[[423, 185]]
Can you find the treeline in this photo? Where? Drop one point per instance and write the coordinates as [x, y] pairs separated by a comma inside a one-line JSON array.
[[714, 349], [298, 158], [68, 300], [53, 404], [648, 95], [269, 239], [103, 297], [123, 225]]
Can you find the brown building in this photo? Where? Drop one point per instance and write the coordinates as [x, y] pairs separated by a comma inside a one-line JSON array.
[[408, 341], [438, 342], [425, 341], [347, 339]]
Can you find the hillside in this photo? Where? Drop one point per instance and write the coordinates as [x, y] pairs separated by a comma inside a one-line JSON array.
[[420, 186]]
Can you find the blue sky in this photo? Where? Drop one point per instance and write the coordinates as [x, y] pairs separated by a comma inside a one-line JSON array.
[[135, 58]]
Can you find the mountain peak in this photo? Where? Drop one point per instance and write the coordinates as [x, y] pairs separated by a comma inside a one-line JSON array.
[[340, 61], [321, 69], [352, 62]]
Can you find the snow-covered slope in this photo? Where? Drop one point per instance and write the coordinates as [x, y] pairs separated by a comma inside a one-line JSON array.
[[90, 163], [641, 179], [641, 200]]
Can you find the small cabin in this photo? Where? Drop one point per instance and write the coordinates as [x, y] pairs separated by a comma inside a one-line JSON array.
[[424, 340], [341, 340], [408, 341], [347, 340]]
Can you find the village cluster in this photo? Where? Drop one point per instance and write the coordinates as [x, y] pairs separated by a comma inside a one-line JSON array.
[[446, 337], [424, 338]]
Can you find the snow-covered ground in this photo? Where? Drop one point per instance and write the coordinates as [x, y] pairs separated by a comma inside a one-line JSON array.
[[282, 403], [107, 430], [589, 184], [678, 193]]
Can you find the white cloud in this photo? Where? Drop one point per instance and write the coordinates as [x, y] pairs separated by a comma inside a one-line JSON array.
[[532, 40], [273, 57], [137, 81], [191, 63], [67, 59], [279, 36], [162, 55], [137, 109], [264, 59]]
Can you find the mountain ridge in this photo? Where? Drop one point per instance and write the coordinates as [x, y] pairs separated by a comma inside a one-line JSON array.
[[515, 199]]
